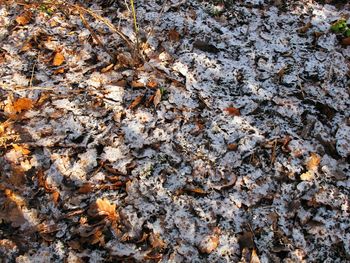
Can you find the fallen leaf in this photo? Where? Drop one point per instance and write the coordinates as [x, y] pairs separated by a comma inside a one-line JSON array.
[[156, 241], [136, 102], [22, 104], [22, 149], [102, 207], [346, 41], [108, 68], [58, 59], [313, 162], [209, 244], [157, 98], [205, 46], [58, 71], [137, 84], [86, 188], [174, 35], [152, 84], [24, 18], [233, 111], [254, 257], [305, 28], [55, 196], [232, 146], [307, 176]]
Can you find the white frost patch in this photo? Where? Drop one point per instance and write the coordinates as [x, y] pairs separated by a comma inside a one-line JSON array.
[[343, 141]]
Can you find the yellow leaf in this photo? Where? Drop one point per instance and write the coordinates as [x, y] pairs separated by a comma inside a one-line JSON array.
[[308, 176], [58, 59], [313, 162], [254, 258], [23, 149]]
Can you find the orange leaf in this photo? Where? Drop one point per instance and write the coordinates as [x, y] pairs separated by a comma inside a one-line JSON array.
[[233, 111], [136, 102], [58, 59], [24, 18], [55, 197], [152, 84], [23, 149], [22, 104], [157, 97], [102, 207], [174, 35]]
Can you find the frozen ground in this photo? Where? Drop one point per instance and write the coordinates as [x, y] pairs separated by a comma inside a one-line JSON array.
[[227, 141]]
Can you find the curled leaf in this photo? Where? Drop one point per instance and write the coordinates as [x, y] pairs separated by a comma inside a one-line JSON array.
[[157, 97]]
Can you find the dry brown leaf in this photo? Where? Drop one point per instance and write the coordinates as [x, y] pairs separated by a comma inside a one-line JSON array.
[[86, 188], [157, 97], [137, 84], [22, 104], [209, 244], [58, 59], [305, 28], [233, 111], [102, 207], [313, 162], [174, 35], [24, 18], [17, 177], [136, 102], [22, 149], [156, 241], [346, 41], [232, 146], [55, 196]]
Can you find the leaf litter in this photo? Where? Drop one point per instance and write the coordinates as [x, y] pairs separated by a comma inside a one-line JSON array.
[[110, 153]]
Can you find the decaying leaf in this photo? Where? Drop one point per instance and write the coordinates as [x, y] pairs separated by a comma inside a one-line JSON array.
[[102, 207], [136, 102], [305, 28], [24, 18], [137, 84], [55, 196], [86, 188], [232, 146], [233, 111], [313, 162], [346, 41], [156, 241], [307, 176], [58, 59], [157, 98], [209, 244], [174, 35]]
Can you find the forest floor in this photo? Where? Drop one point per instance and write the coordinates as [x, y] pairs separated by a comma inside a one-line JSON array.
[[221, 135]]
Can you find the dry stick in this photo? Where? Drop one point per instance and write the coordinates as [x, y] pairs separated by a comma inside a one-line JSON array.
[[93, 34], [106, 22]]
